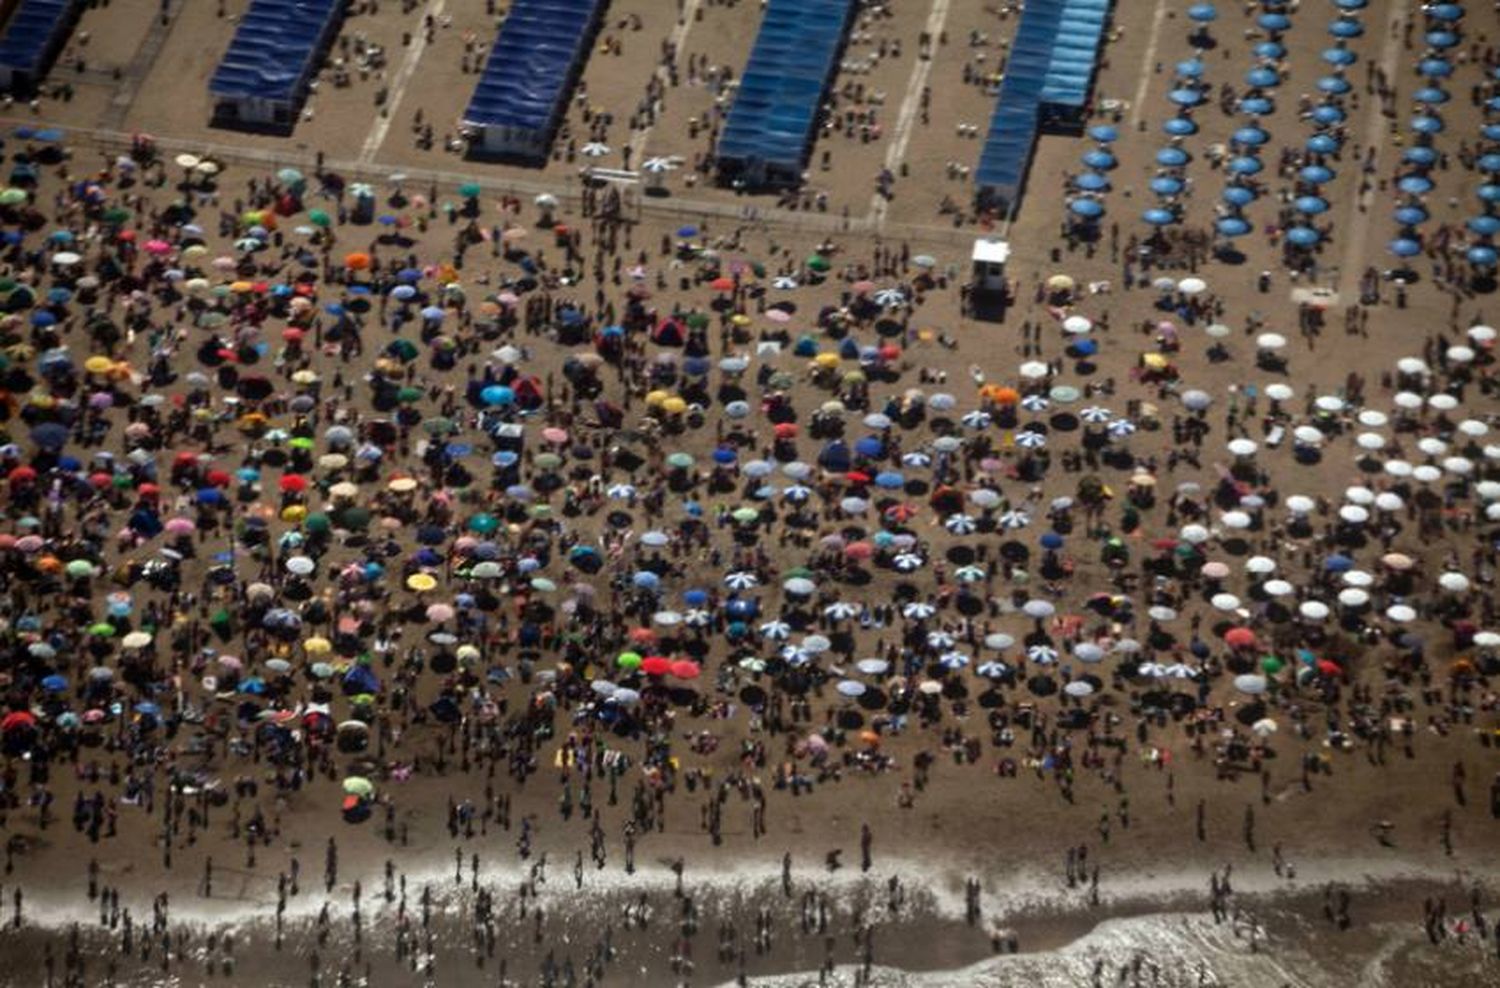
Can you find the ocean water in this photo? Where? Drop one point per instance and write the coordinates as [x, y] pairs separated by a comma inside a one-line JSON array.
[[637, 930]]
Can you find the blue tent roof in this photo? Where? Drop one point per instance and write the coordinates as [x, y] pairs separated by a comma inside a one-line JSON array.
[[33, 34], [775, 110], [1053, 55], [274, 50], [526, 79]]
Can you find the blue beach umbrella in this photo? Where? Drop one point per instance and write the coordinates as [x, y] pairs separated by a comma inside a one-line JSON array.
[[1202, 13], [1091, 182], [1447, 12], [1410, 215], [1328, 115], [1337, 85], [1489, 163], [1262, 78], [1481, 255], [1238, 195], [1171, 157], [1089, 209], [1323, 144], [1166, 185], [1441, 39], [1415, 185], [1099, 159], [1185, 97], [1232, 226], [1256, 106], [1159, 217], [1190, 68], [1316, 174], [1251, 136], [1274, 22], [1346, 28], [1104, 133], [1303, 236], [1311, 205], [1180, 127], [1427, 124], [1245, 165], [1270, 49], [1488, 192], [1404, 247], [1420, 155], [1339, 56], [1491, 131], [1431, 95], [1435, 68], [1485, 226]]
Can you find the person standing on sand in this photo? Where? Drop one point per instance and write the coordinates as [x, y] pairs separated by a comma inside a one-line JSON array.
[[865, 840]]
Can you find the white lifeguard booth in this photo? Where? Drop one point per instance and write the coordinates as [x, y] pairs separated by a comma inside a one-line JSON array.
[[989, 258]]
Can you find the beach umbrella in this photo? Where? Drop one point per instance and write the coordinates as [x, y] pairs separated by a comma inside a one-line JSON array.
[[1232, 227], [1250, 684], [1104, 133], [1099, 159], [1179, 127], [1274, 21], [1256, 106], [1202, 13], [1410, 215], [1159, 217], [1091, 182], [1404, 247], [1311, 205], [1250, 136], [1171, 157], [1086, 208], [1186, 97], [1303, 236], [1238, 195], [1262, 78], [1316, 174], [1328, 115], [1323, 144], [1244, 165], [1346, 27], [1166, 185]]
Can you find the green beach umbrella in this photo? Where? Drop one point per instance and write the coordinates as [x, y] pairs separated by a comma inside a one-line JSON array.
[[483, 523]]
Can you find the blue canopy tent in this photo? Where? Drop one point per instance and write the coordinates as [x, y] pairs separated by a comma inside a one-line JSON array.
[[529, 75], [769, 132], [32, 37], [1047, 83], [263, 77]]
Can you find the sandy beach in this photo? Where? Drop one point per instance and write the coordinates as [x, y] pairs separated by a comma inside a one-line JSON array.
[[1161, 607]]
